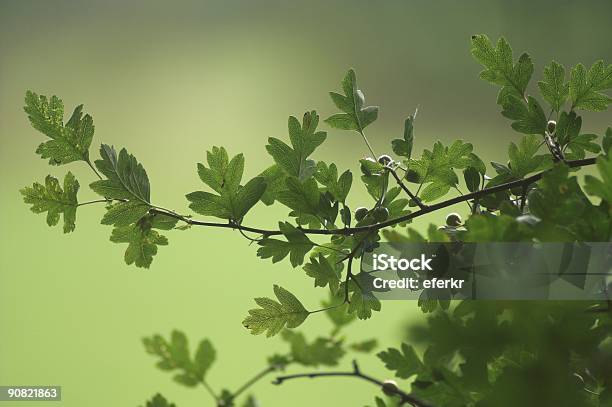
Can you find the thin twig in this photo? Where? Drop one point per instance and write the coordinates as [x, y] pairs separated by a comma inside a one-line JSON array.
[[356, 372], [416, 200], [210, 390], [253, 380], [367, 143], [92, 202], [391, 222], [349, 274], [93, 168]]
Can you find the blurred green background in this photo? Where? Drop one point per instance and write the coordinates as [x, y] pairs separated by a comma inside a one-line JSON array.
[[168, 80]]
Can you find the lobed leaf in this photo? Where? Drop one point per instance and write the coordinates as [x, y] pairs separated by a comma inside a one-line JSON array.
[[142, 239], [586, 87], [223, 175], [273, 316], [404, 363], [174, 355], [323, 272], [69, 142], [320, 352], [159, 401], [356, 116], [296, 245], [126, 178], [553, 87], [54, 200], [304, 140]]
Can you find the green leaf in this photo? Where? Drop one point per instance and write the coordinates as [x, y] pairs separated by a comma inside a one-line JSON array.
[[125, 213], [174, 355], [434, 191], [524, 158], [396, 206], [204, 357], [560, 204], [356, 116], [69, 142], [275, 177], [159, 401], [528, 118], [488, 228], [274, 315], [601, 188], [578, 146], [328, 176], [304, 139], [553, 86], [403, 147], [568, 127], [323, 272], [302, 197], [296, 245], [321, 351], [247, 196], [500, 67], [223, 175], [126, 177], [380, 402], [362, 304], [366, 346], [585, 88], [142, 239], [250, 402], [569, 138], [338, 315], [209, 204], [436, 167], [405, 363], [472, 179], [54, 200]]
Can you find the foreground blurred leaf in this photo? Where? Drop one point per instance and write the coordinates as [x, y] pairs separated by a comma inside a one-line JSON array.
[[175, 355], [159, 401], [321, 351], [601, 188], [405, 363]]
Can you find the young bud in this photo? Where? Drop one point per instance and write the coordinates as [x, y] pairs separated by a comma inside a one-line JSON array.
[[390, 388], [381, 214], [384, 159], [453, 219], [360, 213]]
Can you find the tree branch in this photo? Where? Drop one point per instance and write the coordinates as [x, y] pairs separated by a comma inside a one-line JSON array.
[[253, 380], [356, 372], [391, 222]]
